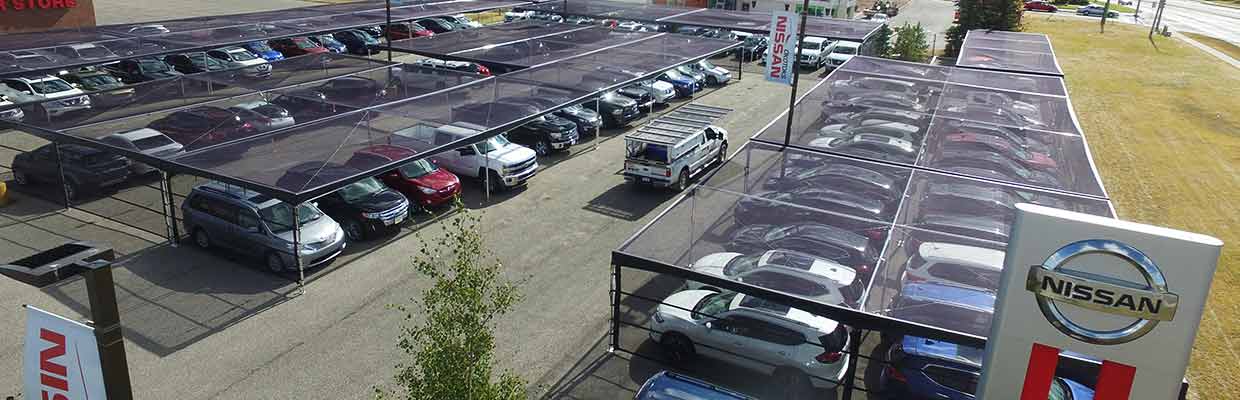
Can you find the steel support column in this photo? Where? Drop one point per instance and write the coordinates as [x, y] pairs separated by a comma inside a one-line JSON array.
[[64, 180], [301, 271], [796, 73], [850, 374], [170, 209], [615, 307], [387, 36]]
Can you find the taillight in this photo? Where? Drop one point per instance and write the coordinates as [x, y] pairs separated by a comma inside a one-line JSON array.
[[829, 357], [864, 268], [895, 374]]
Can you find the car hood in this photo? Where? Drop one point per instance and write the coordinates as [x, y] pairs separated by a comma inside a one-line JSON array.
[[620, 101], [438, 179], [680, 81], [67, 93], [253, 62], [512, 154], [553, 125], [381, 201], [580, 113], [841, 57], [106, 86], [662, 86], [677, 304], [752, 234], [713, 263], [316, 231], [833, 130]]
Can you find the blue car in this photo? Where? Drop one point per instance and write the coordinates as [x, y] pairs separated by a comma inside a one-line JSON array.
[[672, 386], [926, 369], [685, 85], [330, 43], [264, 51]]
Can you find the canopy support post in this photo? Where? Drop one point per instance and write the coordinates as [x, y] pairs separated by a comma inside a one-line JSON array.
[[64, 180], [389, 26], [850, 374], [740, 64], [170, 211], [486, 181], [598, 130], [301, 272], [796, 74], [615, 308]]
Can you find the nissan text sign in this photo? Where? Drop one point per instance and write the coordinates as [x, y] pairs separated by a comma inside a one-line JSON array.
[[781, 59], [1127, 294], [61, 359]]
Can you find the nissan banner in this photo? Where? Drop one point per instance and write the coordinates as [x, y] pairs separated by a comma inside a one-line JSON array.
[[61, 359], [1127, 295], [780, 60]]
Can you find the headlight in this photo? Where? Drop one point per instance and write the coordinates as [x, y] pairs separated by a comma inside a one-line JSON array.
[[617, 111], [427, 190], [658, 317], [85, 100]]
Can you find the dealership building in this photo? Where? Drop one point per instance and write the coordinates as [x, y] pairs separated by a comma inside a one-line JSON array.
[[39, 15]]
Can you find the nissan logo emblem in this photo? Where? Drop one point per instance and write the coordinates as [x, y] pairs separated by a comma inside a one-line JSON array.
[[1055, 283]]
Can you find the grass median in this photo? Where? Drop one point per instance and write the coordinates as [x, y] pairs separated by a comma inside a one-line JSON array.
[[1163, 126]]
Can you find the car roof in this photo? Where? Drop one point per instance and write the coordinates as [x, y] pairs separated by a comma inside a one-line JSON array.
[[34, 79], [140, 133], [253, 198], [667, 385], [973, 256], [947, 351], [755, 304]]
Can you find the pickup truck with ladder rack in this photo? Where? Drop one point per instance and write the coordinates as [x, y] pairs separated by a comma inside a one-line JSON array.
[[676, 147]]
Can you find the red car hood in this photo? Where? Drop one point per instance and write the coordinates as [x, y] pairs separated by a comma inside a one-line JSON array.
[[1041, 159], [438, 179]]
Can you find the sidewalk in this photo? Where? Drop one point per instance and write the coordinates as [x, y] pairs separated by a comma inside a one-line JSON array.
[[1209, 50]]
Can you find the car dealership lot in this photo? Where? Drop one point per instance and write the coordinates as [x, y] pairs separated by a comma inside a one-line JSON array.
[[206, 326]]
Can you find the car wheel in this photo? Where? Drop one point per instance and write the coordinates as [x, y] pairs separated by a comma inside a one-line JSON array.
[[542, 147], [275, 263], [723, 152], [20, 178], [684, 180], [678, 348], [497, 183], [202, 239], [353, 230], [710, 80], [71, 189], [796, 385]]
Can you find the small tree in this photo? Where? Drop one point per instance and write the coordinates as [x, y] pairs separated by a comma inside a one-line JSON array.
[[1001, 15], [911, 44], [450, 352], [882, 41]]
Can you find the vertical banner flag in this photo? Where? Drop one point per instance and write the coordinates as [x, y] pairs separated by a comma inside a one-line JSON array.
[[61, 359], [780, 58]]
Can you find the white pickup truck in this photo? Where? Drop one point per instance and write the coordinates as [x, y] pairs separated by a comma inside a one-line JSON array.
[[508, 164], [670, 150]]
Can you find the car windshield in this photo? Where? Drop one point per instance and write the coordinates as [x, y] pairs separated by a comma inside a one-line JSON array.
[[845, 50], [50, 86], [741, 264], [810, 46], [417, 169], [327, 40], [260, 47], [279, 217], [674, 74], [753, 40], [706, 64], [151, 142], [493, 144], [152, 66], [573, 108], [98, 80], [94, 52], [360, 190], [305, 44], [713, 304], [271, 111], [243, 55]]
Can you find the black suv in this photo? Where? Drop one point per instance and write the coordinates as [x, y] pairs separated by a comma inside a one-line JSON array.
[[142, 70], [193, 63], [362, 208], [358, 42], [617, 110], [307, 105], [84, 168]]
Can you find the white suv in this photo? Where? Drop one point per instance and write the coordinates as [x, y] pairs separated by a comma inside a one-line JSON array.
[[958, 264], [751, 333], [237, 57], [43, 88], [842, 52], [814, 51], [788, 271]]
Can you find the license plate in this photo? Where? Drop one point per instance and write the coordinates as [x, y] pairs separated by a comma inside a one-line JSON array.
[[394, 221], [645, 179]]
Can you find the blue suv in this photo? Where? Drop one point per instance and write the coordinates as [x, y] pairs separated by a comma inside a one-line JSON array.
[[672, 386], [685, 85], [918, 368]]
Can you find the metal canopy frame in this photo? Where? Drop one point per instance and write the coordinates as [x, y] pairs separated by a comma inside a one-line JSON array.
[[677, 125], [1019, 52]]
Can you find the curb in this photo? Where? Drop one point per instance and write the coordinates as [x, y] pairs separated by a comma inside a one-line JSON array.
[[1221, 4], [1209, 50]]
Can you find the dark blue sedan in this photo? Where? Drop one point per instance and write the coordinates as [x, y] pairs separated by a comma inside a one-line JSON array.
[[685, 85]]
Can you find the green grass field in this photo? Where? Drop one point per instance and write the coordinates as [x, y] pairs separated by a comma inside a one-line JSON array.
[[1163, 126], [1218, 44]]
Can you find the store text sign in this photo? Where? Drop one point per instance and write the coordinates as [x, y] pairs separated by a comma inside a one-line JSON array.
[[28, 5], [61, 359], [781, 59], [1128, 295]]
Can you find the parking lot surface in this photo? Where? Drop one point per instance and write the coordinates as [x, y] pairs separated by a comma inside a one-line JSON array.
[[215, 326]]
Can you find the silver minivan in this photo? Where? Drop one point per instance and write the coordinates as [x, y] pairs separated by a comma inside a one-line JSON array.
[[225, 216]]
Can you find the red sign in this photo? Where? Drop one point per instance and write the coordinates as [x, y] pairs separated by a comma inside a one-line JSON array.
[[1114, 381], [25, 5]]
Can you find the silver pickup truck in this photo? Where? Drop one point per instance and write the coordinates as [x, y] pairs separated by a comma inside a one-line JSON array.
[[676, 147]]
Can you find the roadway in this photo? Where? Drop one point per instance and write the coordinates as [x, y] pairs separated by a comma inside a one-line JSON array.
[[1196, 16]]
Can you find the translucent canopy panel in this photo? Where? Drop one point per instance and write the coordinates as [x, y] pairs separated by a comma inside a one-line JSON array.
[[453, 43], [556, 47], [66, 111], [1009, 51], [918, 115], [611, 9]]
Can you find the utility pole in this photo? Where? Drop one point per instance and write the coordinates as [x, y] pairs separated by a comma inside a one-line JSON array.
[[1106, 10], [796, 72], [1157, 17], [1136, 15]]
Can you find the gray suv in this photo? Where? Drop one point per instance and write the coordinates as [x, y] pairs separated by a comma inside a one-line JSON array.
[[251, 223]]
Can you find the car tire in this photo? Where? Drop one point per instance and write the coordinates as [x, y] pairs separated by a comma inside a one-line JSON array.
[[542, 148], [723, 153], [497, 183], [795, 383], [677, 348], [20, 178], [202, 239], [710, 80], [683, 183], [274, 262], [353, 230]]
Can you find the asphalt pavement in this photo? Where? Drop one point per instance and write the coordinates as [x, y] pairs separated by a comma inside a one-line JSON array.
[[1197, 16], [935, 16]]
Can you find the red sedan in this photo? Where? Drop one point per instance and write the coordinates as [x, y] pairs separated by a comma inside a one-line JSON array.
[[1002, 146], [407, 30], [1040, 6], [421, 181], [292, 47]]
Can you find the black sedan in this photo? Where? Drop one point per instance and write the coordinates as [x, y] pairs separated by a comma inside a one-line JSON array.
[[847, 177], [826, 241], [812, 204]]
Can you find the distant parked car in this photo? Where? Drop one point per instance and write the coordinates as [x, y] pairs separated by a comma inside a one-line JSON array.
[[358, 42], [306, 105], [362, 208], [753, 48], [830, 242], [136, 70], [329, 42], [436, 25], [1040, 6], [9, 111], [86, 169], [771, 207], [249, 64], [852, 178], [193, 63], [875, 146], [714, 75], [685, 85], [263, 50], [146, 141], [203, 126], [256, 225], [263, 115], [955, 264], [463, 66], [667, 385], [64, 98], [297, 46], [104, 88], [407, 30], [787, 271], [84, 52], [1094, 10], [422, 182], [616, 110]]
